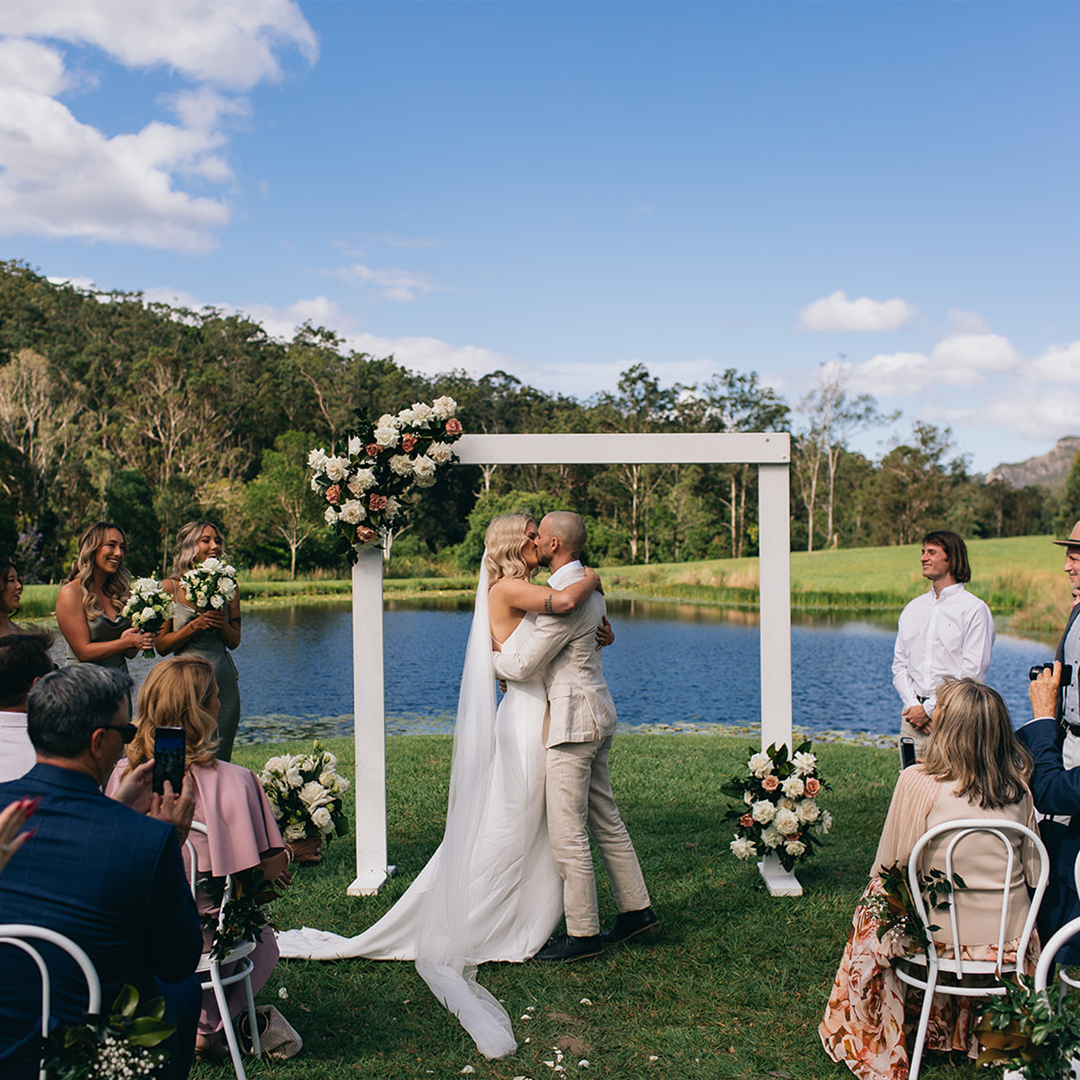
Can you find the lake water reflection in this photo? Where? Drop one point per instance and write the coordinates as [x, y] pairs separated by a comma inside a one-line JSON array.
[[674, 664]]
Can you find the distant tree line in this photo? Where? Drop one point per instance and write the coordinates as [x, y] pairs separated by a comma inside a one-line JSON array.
[[114, 406]]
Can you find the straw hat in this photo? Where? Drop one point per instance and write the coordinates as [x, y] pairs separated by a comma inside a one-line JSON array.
[[1073, 538]]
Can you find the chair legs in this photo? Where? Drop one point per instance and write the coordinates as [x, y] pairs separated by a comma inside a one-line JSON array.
[[218, 984], [924, 1024]]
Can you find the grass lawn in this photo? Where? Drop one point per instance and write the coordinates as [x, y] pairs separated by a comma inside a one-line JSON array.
[[734, 988]]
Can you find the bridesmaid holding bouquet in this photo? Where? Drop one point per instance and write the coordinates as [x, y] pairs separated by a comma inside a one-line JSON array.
[[209, 629], [89, 606]]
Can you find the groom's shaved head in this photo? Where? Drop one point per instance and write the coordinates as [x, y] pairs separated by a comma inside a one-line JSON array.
[[569, 528]]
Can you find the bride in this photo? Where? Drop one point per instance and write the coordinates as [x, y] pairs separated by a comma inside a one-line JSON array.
[[491, 890]]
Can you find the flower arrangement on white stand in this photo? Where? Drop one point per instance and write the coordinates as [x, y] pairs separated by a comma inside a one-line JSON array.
[[778, 817], [364, 490]]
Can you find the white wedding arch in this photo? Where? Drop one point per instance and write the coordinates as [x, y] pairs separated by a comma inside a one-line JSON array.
[[770, 452]]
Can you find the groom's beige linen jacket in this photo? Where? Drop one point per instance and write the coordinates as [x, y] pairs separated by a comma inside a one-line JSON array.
[[580, 708]]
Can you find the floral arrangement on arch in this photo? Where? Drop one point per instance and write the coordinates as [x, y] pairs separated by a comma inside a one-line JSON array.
[[778, 812], [305, 794], [386, 460]]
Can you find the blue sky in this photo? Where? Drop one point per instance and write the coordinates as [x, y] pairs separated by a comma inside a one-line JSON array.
[[562, 190]]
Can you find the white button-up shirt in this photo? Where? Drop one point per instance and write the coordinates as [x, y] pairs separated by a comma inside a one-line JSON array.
[[946, 635]]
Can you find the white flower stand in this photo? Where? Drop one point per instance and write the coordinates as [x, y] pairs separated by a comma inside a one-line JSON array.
[[780, 882]]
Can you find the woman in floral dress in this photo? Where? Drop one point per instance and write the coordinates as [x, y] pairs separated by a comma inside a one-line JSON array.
[[974, 768]]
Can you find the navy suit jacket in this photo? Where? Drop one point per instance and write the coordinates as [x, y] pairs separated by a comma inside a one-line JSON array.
[[1056, 791], [110, 879]]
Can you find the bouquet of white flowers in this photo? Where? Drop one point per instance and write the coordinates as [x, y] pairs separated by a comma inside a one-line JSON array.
[[211, 584], [779, 813], [305, 793], [148, 607], [363, 492]]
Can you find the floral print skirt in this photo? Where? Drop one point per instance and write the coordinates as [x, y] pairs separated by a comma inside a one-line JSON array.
[[869, 1014]]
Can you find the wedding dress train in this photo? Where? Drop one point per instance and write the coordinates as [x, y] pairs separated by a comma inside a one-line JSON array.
[[491, 890]]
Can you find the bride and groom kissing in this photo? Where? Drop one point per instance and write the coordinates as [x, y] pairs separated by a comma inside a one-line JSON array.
[[528, 782]]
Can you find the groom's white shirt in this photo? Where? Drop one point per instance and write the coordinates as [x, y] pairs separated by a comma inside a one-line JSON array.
[[580, 708]]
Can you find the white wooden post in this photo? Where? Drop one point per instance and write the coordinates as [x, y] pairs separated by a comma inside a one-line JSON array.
[[770, 452], [369, 723]]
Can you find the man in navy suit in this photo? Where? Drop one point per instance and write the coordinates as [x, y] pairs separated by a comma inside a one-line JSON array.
[[109, 878]]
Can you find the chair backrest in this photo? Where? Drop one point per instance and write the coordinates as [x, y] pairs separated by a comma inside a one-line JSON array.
[[199, 827], [1000, 828], [20, 935]]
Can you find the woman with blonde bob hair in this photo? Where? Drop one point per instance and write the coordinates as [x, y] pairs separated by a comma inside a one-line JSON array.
[[974, 768], [229, 800], [88, 607], [211, 632], [491, 892]]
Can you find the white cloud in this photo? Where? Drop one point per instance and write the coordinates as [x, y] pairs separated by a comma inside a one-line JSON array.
[[968, 322], [232, 43], [1044, 418], [1059, 363], [837, 313], [63, 178], [283, 322], [401, 286]]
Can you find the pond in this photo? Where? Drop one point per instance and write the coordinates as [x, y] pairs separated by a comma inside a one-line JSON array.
[[681, 665]]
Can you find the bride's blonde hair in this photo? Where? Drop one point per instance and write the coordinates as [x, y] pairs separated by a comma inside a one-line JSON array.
[[505, 540]]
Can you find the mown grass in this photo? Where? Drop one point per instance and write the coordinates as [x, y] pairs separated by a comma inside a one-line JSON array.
[[734, 988], [1019, 577]]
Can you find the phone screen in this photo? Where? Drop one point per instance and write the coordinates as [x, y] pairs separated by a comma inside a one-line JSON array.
[[169, 752], [907, 751]]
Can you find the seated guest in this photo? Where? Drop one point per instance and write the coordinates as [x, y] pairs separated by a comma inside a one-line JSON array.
[[24, 658], [1057, 795], [974, 768], [229, 801], [108, 878]]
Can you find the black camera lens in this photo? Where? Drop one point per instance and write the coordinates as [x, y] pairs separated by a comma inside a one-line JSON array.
[[1038, 669]]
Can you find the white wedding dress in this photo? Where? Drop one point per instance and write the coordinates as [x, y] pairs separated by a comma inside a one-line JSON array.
[[491, 890]]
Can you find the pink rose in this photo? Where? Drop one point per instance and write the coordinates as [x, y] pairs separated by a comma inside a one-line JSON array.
[[364, 534], [746, 821], [453, 426], [812, 787], [408, 443], [372, 449], [333, 494], [377, 502], [770, 783]]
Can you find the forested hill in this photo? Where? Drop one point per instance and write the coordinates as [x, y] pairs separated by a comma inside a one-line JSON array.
[[112, 406]]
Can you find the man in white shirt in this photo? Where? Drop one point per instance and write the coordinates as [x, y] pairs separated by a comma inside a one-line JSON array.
[[945, 633], [24, 658]]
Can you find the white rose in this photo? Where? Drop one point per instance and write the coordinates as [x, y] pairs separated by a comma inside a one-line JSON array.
[[772, 837], [406, 418], [786, 822], [313, 794], [393, 508], [295, 832], [230, 570], [424, 470], [787, 804], [279, 764], [293, 777], [747, 797], [760, 765], [387, 435], [421, 412], [316, 460], [322, 820], [315, 485], [337, 468], [330, 515], [144, 585], [146, 614], [763, 812], [444, 407], [217, 600], [742, 848], [793, 787], [401, 465], [353, 512], [439, 453], [804, 764], [824, 823], [794, 847], [807, 811], [228, 587], [212, 565]]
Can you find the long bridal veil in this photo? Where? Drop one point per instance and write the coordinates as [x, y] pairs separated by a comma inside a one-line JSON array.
[[445, 949]]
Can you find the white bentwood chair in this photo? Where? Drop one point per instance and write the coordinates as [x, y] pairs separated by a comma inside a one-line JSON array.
[[211, 978], [924, 969], [20, 935]]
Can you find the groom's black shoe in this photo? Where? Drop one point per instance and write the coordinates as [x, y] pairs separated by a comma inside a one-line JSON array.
[[566, 948], [631, 924]]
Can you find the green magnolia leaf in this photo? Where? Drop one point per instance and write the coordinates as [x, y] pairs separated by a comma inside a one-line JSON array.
[[148, 1031], [127, 1001]]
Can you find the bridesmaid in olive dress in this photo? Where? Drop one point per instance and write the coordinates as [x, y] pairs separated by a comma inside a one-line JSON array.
[[88, 607], [210, 633]]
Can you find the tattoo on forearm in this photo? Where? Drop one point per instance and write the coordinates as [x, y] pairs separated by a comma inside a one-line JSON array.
[[548, 609]]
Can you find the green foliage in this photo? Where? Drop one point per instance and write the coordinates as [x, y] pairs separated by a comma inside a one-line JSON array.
[[129, 502], [1024, 1030]]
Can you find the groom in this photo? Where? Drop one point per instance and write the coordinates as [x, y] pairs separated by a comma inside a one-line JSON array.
[[578, 729]]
